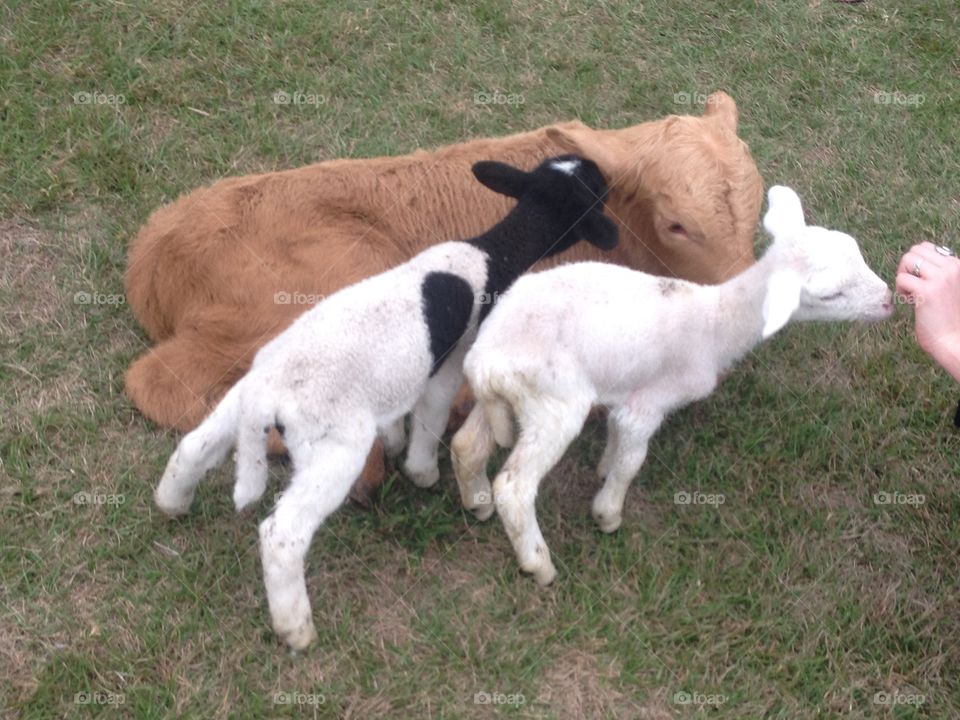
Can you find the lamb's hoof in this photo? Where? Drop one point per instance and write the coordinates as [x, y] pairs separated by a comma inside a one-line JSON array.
[[243, 500], [300, 637], [172, 504], [483, 512], [608, 523], [545, 574], [425, 479], [480, 503]]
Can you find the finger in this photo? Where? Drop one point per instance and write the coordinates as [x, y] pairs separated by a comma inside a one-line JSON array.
[[929, 253], [910, 261], [915, 262], [910, 285], [906, 262]]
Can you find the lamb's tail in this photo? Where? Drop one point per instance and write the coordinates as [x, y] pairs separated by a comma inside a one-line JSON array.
[[500, 418], [488, 385], [199, 451]]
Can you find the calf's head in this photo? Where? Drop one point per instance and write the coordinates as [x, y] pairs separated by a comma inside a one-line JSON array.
[[684, 190]]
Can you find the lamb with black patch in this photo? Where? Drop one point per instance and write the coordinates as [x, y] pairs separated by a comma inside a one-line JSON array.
[[357, 363]]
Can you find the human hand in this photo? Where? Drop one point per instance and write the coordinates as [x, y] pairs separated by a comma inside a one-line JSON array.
[[935, 295]]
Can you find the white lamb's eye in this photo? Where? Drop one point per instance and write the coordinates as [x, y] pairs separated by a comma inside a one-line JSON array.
[[835, 296]]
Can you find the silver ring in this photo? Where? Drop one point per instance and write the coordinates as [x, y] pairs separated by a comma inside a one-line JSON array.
[[916, 267], [944, 250]]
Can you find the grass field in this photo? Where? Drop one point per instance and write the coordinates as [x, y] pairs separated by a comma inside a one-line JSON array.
[[804, 594]]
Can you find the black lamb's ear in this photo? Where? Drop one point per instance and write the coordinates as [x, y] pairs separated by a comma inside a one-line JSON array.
[[599, 230], [502, 178]]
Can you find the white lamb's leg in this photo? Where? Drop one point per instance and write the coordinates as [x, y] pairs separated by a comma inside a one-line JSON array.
[[545, 433], [429, 421], [632, 430], [199, 451], [251, 461], [471, 448], [610, 451], [318, 487], [394, 437], [194, 457]]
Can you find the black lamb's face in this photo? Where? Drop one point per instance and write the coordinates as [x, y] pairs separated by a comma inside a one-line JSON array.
[[575, 189]]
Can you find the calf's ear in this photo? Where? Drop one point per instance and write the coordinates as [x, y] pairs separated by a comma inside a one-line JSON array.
[[502, 178], [723, 109], [596, 145]]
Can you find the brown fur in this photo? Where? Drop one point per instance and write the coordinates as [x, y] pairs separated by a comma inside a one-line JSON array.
[[204, 270]]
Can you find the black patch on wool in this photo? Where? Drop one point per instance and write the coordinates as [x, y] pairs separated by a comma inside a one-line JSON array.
[[447, 305]]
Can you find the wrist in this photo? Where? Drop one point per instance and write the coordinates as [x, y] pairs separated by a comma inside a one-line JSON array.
[[947, 354]]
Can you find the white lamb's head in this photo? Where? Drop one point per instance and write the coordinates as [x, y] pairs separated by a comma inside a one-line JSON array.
[[821, 274]]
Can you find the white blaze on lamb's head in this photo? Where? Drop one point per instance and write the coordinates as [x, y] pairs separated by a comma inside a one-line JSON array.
[[823, 275]]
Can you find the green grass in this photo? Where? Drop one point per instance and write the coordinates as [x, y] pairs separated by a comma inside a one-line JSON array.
[[798, 597]]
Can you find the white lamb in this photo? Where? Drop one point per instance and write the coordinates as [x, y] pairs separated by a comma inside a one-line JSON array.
[[355, 364], [563, 340]]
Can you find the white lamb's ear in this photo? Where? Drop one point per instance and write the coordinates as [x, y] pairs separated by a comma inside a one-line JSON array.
[[781, 301], [785, 213]]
